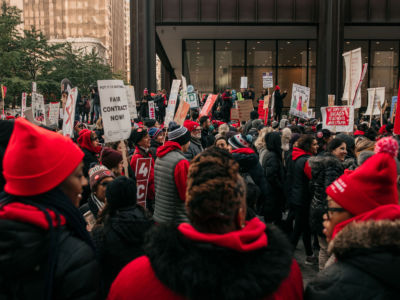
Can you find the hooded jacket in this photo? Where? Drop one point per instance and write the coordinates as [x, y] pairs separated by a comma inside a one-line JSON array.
[[91, 152], [183, 263], [300, 193], [195, 148]]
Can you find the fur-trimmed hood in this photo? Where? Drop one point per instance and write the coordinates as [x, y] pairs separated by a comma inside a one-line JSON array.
[[199, 270], [320, 162]]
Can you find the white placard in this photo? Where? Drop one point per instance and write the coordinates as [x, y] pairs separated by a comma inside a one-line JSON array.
[[54, 112], [61, 113], [34, 87], [376, 99], [243, 82], [38, 108], [338, 118], [353, 64], [173, 97], [114, 110], [300, 101], [23, 104], [130, 95], [69, 113], [268, 80], [192, 100], [184, 89], [152, 110]]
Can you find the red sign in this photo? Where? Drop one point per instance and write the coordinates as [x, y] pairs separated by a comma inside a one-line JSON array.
[[337, 116], [142, 173], [205, 111], [262, 113], [396, 129]]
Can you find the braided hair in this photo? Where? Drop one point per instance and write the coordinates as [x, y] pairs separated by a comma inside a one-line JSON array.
[[215, 190]]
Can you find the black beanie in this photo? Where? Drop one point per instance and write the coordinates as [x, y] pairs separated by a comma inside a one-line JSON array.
[[137, 135], [254, 115], [149, 122], [121, 192]]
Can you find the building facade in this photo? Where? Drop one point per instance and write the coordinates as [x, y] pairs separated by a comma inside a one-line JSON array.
[[215, 42], [98, 25]]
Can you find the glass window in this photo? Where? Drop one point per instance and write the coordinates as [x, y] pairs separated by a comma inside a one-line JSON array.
[[312, 71], [292, 66], [198, 64], [261, 58], [229, 64]]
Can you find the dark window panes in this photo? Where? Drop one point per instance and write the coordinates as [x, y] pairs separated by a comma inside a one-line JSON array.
[[209, 10], [312, 71], [198, 64], [229, 64], [190, 10], [284, 11], [247, 10], [377, 10], [158, 10], [292, 65], [359, 11], [266, 11], [305, 10], [227, 11], [394, 11], [261, 58], [170, 11]]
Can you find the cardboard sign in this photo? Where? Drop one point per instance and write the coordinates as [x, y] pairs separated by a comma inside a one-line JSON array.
[[331, 100], [234, 114], [184, 89], [182, 112], [114, 110], [353, 65], [54, 111], [393, 107], [23, 104], [376, 99], [130, 96], [192, 100], [338, 118], [173, 97], [152, 110], [243, 82], [267, 98], [142, 173], [38, 108], [69, 113], [245, 108], [268, 80], [300, 101], [205, 111]]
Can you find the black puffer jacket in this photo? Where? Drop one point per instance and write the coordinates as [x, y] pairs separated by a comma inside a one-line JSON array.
[[300, 194], [89, 160], [368, 265], [120, 240], [153, 148], [325, 169]]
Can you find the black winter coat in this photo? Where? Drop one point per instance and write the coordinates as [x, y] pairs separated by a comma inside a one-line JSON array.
[[367, 267], [325, 169], [153, 148], [300, 192], [120, 240], [274, 174], [24, 260], [89, 160]]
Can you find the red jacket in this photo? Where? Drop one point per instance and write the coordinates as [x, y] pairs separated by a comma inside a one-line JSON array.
[[254, 263], [140, 153]]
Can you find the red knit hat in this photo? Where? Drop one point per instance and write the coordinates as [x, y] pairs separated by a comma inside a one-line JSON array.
[[37, 160], [373, 184], [190, 125]]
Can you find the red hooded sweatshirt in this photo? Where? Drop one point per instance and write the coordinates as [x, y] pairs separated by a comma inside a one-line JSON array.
[[297, 152], [85, 142], [181, 168]]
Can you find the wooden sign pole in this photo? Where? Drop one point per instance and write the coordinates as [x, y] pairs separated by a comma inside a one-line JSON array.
[[124, 158]]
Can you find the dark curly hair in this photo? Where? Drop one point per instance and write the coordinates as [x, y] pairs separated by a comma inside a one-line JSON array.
[[305, 142], [215, 190]]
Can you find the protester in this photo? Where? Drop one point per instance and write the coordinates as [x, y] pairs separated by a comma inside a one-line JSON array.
[[325, 169], [170, 175], [227, 105], [46, 252], [112, 159], [213, 256], [195, 146], [94, 94], [362, 226], [249, 123], [144, 104], [157, 136], [207, 139], [221, 142], [278, 102], [89, 144], [120, 228]]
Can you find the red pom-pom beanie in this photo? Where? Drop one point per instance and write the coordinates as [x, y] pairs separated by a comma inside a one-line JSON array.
[[373, 184], [37, 160]]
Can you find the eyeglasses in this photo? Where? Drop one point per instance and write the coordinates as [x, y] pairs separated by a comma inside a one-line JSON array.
[[333, 209]]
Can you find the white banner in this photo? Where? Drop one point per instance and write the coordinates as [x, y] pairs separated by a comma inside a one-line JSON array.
[[243, 82], [152, 110], [173, 97], [38, 108], [23, 104], [54, 111], [192, 100], [268, 80], [338, 118], [300, 101], [130, 95], [353, 64], [114, 110], [69, 113], [184, 89], [376, 99], [33, 87]]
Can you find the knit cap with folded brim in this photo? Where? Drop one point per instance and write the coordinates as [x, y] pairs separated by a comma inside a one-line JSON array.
[[97, 174], [178, 134]]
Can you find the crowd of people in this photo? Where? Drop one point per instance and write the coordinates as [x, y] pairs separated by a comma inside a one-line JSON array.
[[226, 206]]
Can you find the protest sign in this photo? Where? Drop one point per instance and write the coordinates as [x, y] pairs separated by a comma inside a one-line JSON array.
[[205, 111], [29, 116], [262, 112], [245, 108], [331, 100], [267, 99], [192, 100], [38, 108], [376, 99], [243, 82], [234, 114], [54, 111], [114, 110], [396, 128], [181, 113], [268, 80], [184, 89], [310, 113], [393, 107], [69, 113], [142, 173], [300, 101], [173, 97], [34, 87], [130, 96], [338, 118], [61, 113], [354, 70], [23, 104], [152, 110]]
